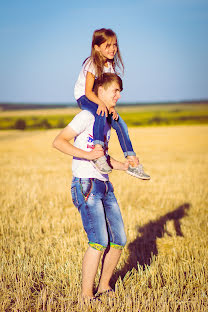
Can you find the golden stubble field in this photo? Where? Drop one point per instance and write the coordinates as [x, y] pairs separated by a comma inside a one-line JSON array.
[[164, 264]]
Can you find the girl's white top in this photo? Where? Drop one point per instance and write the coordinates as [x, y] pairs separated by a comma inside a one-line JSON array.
[[79, 89]]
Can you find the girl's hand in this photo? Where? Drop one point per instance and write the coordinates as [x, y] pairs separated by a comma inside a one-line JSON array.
[[114, 112], [102, 109]]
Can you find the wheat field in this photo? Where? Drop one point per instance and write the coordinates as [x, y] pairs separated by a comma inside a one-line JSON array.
[[164, 264]]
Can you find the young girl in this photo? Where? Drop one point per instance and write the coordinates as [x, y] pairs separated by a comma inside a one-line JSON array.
[[105, 57]]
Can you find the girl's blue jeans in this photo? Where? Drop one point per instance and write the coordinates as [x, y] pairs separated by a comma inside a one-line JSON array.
[[99, 124], [100, 213]]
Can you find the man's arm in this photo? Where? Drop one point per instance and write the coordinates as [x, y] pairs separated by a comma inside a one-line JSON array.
[[117, 165], [61, 142]]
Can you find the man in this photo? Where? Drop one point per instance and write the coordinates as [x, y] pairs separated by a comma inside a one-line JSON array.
[[92, 192]]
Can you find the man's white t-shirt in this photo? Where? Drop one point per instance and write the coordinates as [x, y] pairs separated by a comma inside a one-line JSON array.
[[79, 89], [82, 124]]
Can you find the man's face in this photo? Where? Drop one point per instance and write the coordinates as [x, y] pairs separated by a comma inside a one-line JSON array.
[[110, 95]]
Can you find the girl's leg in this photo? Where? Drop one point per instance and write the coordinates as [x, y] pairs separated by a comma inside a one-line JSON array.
[[99, 124], [135, 169], [89, 269], [101, 163], [122, 132]]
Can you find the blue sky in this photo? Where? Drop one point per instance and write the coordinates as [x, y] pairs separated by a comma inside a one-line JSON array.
[[163, 44]]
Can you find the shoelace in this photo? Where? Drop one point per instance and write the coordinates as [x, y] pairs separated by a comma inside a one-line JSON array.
[[140, 168], [102, 161]]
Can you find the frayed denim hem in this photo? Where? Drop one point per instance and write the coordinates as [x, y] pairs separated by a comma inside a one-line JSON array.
[[129, 154], [99, 142]]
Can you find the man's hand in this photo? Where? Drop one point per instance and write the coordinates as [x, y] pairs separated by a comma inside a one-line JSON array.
[[126, 165], [95, 153], [102, 109], [133, 160], [114, 112], [118, 165]]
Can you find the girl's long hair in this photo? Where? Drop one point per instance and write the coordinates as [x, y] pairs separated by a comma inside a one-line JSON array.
[[100, 36]]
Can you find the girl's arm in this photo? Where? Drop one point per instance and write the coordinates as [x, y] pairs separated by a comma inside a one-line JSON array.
[[90, 79], [61, 142]]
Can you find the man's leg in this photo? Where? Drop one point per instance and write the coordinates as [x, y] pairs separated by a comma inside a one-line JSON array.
[[93, 219], [109, 263], [117, 238], [89, 269]]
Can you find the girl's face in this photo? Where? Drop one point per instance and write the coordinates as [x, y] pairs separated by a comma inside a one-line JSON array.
[[108, 49]]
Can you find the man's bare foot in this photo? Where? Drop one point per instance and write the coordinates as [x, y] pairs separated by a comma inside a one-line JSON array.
[[109, 292]]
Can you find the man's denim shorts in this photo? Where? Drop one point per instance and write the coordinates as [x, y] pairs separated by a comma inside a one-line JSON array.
[[100, 213]]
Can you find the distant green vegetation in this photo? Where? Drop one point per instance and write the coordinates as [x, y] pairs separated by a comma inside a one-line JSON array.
[[171, 117], [150, 115], [34, 122]]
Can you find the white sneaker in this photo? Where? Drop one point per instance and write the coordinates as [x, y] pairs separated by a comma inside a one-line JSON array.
[[101, 165], [138, 172]]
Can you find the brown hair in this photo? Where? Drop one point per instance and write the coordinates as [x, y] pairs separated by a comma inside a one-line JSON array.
[[100, 36], [105, 81]]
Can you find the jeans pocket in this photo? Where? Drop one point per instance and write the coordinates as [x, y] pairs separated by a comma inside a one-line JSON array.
[[86, 188]]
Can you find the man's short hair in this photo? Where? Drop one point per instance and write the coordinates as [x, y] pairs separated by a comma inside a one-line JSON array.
[[105, 81]]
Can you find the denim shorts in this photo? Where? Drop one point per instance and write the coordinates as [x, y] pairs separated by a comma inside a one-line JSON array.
[[100, 213]]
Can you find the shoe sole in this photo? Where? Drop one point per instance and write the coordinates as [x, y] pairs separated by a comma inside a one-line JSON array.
[[136, 176], [99, 169]]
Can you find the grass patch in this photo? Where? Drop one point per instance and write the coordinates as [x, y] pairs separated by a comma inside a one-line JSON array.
[[163, 267]]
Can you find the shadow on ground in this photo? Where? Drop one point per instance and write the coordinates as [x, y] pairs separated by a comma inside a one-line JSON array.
[[144, 247]]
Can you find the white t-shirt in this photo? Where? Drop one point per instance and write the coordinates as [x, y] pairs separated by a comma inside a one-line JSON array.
[[79, 89], [82, 124]]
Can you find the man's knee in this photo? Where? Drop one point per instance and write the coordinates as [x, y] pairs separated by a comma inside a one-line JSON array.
[[99, 247], [119, 243]]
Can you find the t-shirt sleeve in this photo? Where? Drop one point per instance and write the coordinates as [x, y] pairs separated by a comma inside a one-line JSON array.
[[89, 67], [81, 121], [111, 69]]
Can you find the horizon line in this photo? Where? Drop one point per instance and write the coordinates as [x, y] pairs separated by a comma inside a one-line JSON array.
[[120, 103]]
